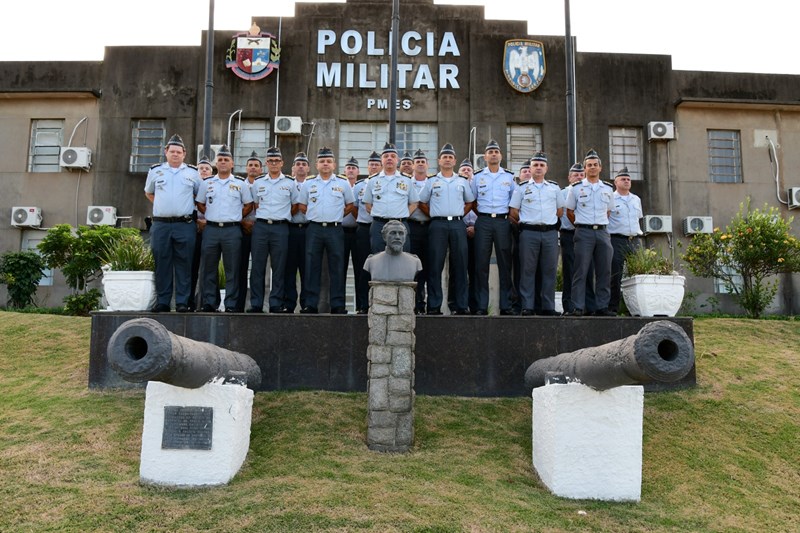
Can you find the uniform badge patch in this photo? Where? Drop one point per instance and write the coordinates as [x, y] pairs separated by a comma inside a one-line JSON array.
[[523, 64]]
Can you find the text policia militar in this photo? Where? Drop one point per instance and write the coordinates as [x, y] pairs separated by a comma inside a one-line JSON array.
[[366, 74]]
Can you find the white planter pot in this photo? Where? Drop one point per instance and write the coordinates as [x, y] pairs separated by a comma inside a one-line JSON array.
[[129, 291], [650, 295]]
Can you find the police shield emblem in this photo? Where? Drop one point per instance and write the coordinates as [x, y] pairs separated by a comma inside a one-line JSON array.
[[253, 55], [523, 64]]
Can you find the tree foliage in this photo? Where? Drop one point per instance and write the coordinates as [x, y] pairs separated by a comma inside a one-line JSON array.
[[21, 272], [756, 245]]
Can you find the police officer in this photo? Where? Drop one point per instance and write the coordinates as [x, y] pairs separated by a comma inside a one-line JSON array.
[[516, 272], [466, 170], [349, 224], [362, 248], [205, 170], [254, 170], [225, 200], [492, 188], [389, 195], [418, 222], [537, 204], [407, 164], [275, 199], [447, 196], [325, 199], [296, 256], [171, 187], [374, 164], [623, 226], [588, 204], [566, 240]]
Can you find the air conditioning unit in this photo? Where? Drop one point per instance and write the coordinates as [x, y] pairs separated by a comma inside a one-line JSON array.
[[101, 215], [214, 148], [75, 157], [794, 197], [697, 224], [657, 224], [660, 131], [288, 125], [28, 217]]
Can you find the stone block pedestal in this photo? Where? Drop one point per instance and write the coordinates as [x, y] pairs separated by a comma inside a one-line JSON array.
[[390, 367], [587, 444]]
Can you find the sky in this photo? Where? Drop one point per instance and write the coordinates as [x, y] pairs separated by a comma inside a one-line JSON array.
[[712, 35]]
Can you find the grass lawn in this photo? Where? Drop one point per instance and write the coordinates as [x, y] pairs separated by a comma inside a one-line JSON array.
[[722, 457]]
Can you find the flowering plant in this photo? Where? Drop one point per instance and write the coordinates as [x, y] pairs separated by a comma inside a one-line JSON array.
[[644, 261], [756, 245]]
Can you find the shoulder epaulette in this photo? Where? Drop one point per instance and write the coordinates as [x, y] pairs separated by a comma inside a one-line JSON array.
[[361, 178], [479, 170], [373, 175], [431, 175], [554, 183], [506, 171], [191, 166], [406, 175], [341, 176], [311, 178], [238, 177], [607, 183], [156, 165], [463, 176], [289, 177]]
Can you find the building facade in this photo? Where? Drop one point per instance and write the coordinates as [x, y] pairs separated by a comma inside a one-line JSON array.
[[696, 143]]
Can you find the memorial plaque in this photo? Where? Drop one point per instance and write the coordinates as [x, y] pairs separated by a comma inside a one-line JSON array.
[[187, 428]]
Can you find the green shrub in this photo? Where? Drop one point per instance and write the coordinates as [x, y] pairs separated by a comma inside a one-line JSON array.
[[647, 261], [129, 253], [21, 272], [80, 304]]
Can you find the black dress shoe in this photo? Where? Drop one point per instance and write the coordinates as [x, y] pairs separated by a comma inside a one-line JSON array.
[[362, 311], [508, 312], [160, 308], [339, 311], [574, 312], [435, 311], [419, 311], [481, 312], [255, 310], [208, 308], [230, 310], [605, 312], [277, 310], [181, 308], [549, 312], [308, 310], [528, 312], [460, 312]]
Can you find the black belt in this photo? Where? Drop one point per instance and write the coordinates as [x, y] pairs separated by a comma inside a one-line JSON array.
[[222, 224], [626, 237], [591, 226], [298, 224], [349, 229], [493, 215], [419, 222], [185, 218], [366, 224], [447, 218], [385, 220], [537, 227], [326, 224], [567, 230], [271, 221]]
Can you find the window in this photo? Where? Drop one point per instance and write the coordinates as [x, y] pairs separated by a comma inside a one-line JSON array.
[[736, 279], [360, 139], [724, 156], [148, 138], [521, 142], [625, 150], [47, 136], [253, 136], [30, 241]]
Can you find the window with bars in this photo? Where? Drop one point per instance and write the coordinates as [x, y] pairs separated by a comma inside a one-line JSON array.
[[625, 150], [47, 135], [719, 285], [522, 141], [360, 139], [30, 243], [725, 156], [148, 137], [252, 136]]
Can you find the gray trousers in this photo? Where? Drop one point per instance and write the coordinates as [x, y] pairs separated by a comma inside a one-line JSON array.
[[538, 251], [444, 235], [225, 242], [592, 245], [270, 242], [173, 247], [493, 231]]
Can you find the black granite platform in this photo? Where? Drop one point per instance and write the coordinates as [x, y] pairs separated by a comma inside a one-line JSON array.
[[455, 355]]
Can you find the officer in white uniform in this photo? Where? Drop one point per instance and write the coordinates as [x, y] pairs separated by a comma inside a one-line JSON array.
[[624, 228], [418, 222], [363, 249], [296, 256], [171, 187]]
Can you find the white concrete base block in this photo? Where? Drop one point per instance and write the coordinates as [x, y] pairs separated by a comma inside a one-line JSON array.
[[232, 411], [587, 444]]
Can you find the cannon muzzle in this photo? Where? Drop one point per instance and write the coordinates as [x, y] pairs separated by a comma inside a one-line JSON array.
[[144, 350], [661, 351]]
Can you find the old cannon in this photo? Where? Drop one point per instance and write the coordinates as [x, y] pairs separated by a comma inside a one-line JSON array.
[[661, 351], [144, 350]]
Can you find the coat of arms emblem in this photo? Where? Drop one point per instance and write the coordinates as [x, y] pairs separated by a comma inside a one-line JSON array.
[[253, 54], [523, 64]]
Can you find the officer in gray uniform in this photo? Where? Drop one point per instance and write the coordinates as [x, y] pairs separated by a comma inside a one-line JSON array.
[[363, 249], [374, 164], [588, 204], [389, 196], [349, 224], [466, 170], [537, 204], [171, 187], [325, 199], [406, 164], [254, 170], [418, 222], [275, 198], [296, 256], [623, 226], [205, 170], [447, 197], [492, 188], [566, 241], [225, 200]]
